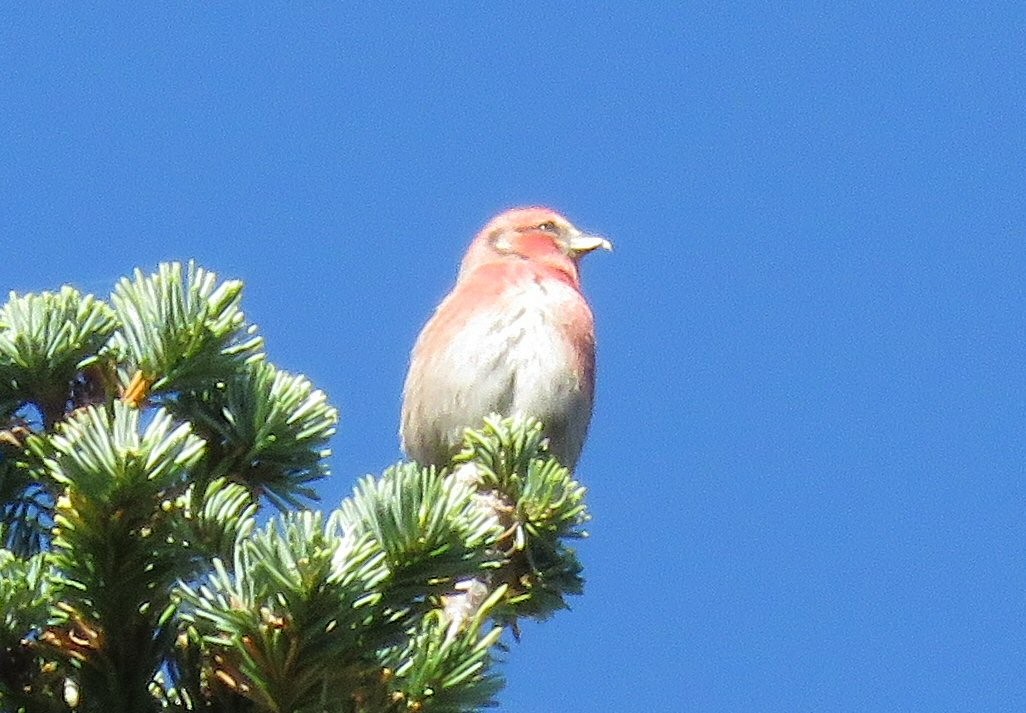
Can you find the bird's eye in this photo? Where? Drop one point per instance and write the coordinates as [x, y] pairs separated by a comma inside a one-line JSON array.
[[549, 227]]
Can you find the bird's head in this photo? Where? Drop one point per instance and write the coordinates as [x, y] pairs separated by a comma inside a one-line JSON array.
[[535, 234]]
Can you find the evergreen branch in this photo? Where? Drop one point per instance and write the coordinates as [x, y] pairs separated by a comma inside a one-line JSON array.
[[268, 430], [101, 454], [46, 339], [213, 523], [180, 332], [439, 673], [28, 680], [304, 606], [539, 505], [426, 524], [296, 616], [24, 593], [114, 554]]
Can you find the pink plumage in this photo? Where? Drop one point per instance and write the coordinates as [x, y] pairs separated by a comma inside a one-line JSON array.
[[515, 337]]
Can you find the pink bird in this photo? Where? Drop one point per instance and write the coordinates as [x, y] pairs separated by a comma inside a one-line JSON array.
[[515, 337]]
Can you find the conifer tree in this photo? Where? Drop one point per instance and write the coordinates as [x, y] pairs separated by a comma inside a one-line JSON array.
[[142, 439]]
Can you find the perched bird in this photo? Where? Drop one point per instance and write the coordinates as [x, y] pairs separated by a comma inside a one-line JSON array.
[[514, 337]]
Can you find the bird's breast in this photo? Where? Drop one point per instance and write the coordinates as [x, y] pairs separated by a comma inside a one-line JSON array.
[[527, 350]]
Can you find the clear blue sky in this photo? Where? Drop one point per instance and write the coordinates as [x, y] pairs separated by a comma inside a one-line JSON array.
[[806, 466]]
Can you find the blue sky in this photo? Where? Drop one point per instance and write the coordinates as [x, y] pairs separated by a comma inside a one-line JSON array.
[[806, 466]]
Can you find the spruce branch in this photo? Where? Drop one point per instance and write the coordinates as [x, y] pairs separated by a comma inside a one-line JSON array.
[[267, 429], [29, 680], [426, 524], [179, 332], [441, 673], [213, 522], [296, 616], [46, 341], [114, 555], [538, 504]]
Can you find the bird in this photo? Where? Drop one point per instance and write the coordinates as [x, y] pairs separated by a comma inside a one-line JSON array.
[[515, 338]]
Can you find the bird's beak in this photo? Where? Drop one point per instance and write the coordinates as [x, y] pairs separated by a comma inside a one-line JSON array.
[[582, 243]]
